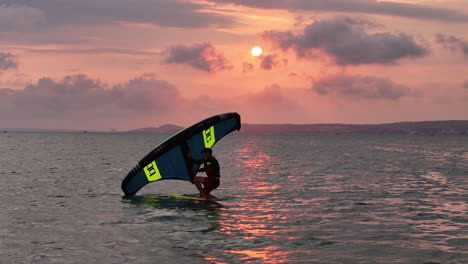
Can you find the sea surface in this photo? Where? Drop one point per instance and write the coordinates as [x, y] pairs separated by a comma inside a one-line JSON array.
[[283, 199]]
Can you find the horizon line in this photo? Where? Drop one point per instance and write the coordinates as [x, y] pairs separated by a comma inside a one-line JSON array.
[[29, 129]]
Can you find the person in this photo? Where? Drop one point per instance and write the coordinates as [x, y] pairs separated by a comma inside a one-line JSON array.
[[206, 185]]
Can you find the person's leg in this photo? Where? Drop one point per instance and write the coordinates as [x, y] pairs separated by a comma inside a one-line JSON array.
[[209, 185], [199, 184]]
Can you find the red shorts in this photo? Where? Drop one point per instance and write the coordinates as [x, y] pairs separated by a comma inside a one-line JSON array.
[[210, 183]]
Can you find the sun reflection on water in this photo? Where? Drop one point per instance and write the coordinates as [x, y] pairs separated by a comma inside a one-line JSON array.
[[259, 216]]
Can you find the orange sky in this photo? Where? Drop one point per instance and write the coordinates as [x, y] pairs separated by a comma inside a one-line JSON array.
[[125, 64]]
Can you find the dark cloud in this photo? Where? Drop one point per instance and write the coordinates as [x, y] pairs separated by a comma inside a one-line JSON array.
[[407, 10], [6, 92], [7, 61], [17, 17], [346, 41], [270, 61], [365, 87], [117, 51], [166, 13], [201, 56], [453, 43]]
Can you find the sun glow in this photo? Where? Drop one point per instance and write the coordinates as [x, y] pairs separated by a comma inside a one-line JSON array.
[[256, 51]]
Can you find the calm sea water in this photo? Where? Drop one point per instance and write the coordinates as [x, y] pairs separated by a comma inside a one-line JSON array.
[[284, 199]]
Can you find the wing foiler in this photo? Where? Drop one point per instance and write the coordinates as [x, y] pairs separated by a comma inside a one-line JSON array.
[[171, 159]]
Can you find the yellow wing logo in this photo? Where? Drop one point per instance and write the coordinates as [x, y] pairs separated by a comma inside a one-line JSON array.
[[152, 172], [209, 137]]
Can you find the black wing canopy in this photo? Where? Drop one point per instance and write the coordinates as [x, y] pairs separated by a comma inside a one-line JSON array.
[[170, 160]]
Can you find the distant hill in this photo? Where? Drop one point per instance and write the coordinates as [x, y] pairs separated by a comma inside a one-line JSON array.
[[162, 129], [402, 128]]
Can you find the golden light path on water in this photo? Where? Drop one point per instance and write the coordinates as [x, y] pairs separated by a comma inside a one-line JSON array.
[[263, 214]]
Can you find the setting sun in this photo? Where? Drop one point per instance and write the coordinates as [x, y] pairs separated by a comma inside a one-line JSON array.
[[256, 51]]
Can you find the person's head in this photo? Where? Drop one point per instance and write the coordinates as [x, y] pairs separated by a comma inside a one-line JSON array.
[[207, 152]]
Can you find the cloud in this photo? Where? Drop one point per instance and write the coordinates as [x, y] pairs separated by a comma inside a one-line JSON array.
[[346, 41], [81, 102], [247, 67], [407, 10], [465, 85], [201, 56], [364, 87], [116, 51], [166, 13], [7, 61], [453, 43], [76, 95], [270, 61], [146, 94], [17, 17], [271, 95]]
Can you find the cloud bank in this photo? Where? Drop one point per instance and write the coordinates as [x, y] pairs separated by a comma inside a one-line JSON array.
[[18, 17], [363, 87], [388, 8], [78, 101], [346, 41], [201, 56], [165, 13], [79, 95]]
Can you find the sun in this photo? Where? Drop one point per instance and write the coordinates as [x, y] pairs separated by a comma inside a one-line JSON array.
[[256, 51]]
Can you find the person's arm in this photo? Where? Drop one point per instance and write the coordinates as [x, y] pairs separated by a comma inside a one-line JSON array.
[[194, 161]]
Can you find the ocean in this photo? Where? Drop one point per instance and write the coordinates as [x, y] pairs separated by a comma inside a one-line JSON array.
[[283, 199]]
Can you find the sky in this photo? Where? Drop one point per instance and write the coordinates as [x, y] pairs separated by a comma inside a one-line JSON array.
[[126, 64]]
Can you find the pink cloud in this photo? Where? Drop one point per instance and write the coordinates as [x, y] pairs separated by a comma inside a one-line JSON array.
[[79, 97], [79, 101], [272, 104], [363, 87]]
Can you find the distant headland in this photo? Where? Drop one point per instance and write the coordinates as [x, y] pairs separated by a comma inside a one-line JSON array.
[[431, 128]]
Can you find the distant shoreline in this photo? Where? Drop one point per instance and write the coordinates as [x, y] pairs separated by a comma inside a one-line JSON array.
[[431, 128]]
